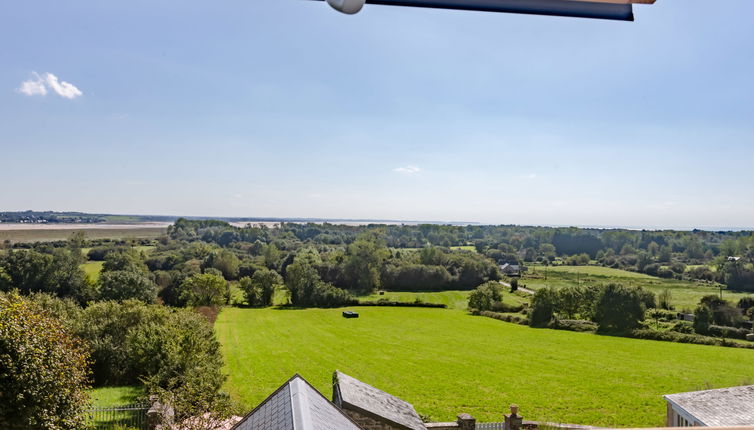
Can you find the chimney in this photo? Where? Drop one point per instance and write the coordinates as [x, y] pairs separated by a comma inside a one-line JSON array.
[[513, 421]]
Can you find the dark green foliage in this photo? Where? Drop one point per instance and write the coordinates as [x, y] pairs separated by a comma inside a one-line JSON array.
[[619, 308], [225, 261], [127, 260], [306, 287], [260, 288], [124, 285], [665, 300], [728, 332], [43, 370], [416, 277], [363, 261], [486, 296], [543, 305], [57, 273], [573, 325], [702, 319]]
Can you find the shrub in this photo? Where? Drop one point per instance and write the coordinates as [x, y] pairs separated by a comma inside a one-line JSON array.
[[728, 332], [44, 374], [503, 317], [485, 296], [573, 325], [684, 327]]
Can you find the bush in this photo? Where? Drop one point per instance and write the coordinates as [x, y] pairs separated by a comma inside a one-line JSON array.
[[573, 325], [684, 327], [44, 374], [485, 296], [728, 332], [503, 317]]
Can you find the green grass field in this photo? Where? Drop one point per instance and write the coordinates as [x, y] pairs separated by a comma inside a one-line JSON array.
[[92, 269], [685, 294], [105, 397], [50, 235], [446, 362]]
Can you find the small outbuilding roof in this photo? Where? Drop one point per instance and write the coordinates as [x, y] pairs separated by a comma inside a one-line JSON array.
[[350, 393], [296, 405], [717, 408]]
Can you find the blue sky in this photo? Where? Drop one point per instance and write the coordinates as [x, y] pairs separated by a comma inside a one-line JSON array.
[[287, 108]]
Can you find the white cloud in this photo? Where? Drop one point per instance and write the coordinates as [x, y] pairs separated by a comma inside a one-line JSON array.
[[529, 176], [39, 85], [408, 170], [33, 87]]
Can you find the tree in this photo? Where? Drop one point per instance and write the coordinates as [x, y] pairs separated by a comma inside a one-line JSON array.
[[664, 300], [271, 256], [43, 382], [57, 273], [122, 285], [618, 308], [702, 319], [570, 300], [260, 287], [225, 261], [204, 290], [543, 305], [364, 260], [128, 259]]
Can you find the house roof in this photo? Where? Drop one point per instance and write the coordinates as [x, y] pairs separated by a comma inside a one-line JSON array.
[[350, 393], [722, 407], [296, 405]]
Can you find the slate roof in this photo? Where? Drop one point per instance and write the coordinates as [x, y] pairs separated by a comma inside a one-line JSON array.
[[296, 405], [350, 393], [717, 408]]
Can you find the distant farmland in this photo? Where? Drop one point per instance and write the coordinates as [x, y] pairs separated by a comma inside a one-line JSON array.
[[47, 233]]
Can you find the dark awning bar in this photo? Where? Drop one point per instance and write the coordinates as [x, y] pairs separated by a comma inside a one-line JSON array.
[[571, 8]]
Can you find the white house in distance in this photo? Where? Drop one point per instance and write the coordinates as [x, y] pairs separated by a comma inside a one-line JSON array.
[[723, 407]]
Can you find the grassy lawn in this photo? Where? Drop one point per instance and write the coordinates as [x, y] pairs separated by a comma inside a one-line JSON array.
[[105, 397], [93, 268], [446, 362], [685, 294]]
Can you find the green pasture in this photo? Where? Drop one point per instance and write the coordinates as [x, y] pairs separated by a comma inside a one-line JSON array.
[[93, 269], [685, 294], [446, 362], [105, 397]]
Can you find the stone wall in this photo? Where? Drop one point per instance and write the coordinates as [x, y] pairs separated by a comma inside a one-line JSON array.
[[369, 423]]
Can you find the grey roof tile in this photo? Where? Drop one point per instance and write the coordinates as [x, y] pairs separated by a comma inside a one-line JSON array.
[[296, 405], [722, 407], [350, 392]]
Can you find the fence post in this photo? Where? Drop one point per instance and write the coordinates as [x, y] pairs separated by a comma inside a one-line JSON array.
[[159, 415], [466, 422]]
